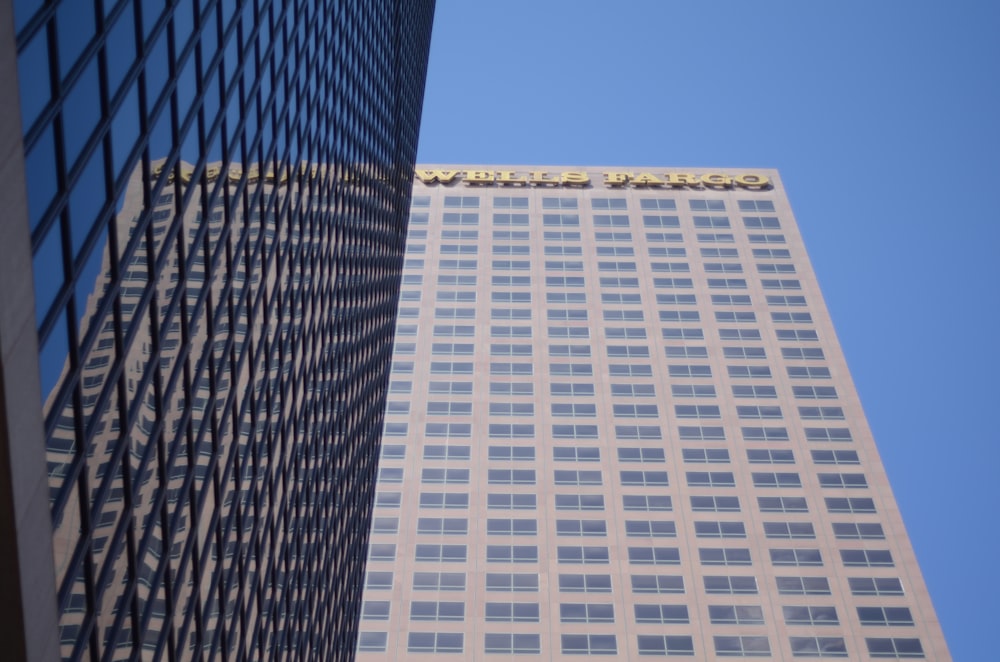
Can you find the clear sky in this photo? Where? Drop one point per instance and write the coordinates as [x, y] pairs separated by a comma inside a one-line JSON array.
[[884, 120]]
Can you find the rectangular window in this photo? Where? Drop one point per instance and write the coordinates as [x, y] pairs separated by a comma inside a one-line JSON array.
[[510, 220], [662, 614], [724, 556], [723, 585], [745, 646], [579, 501], [782, 504], [584, 583], [437, 611], [796, 557], [655, 644], [441, 553], [512, 554], [437, 581], [510, 501], [736, 614], [512, 582], [803, 585], [867, 558], [875, 586], [789, 530], [586, 554], [511, 612], [512, 643], [434, 642], [575, 612], [647, 503], [443, 500], [818, 646]]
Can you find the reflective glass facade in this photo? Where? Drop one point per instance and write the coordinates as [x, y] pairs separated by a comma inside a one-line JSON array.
[[217, 194], [619, 423]]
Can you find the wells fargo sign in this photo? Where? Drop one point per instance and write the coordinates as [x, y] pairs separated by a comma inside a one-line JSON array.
[[712, 180]]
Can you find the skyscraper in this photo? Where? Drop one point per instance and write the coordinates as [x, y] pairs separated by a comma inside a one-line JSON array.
[[202, 253], [620, 423]]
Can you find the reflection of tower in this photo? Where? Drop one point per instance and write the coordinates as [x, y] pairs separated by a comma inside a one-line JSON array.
[[217, 254]]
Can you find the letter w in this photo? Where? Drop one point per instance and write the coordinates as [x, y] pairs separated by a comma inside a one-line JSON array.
[[431, 176]]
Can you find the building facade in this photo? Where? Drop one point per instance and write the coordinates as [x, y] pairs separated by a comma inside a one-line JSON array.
[[620, 423], [202, 258]]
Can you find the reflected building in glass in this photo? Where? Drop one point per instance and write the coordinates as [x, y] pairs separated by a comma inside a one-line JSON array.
[[201, 266], [620, 424]]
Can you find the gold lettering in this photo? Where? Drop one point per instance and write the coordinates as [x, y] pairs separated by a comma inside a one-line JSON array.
[[235, 174], [212, 173], [716, 180], [539, 177], [574, 178], [186, 175], [753, 181], [253, 174], [646, 179], [681, 179], [443, 176], [508, 177], [616, 178], [479, 177]]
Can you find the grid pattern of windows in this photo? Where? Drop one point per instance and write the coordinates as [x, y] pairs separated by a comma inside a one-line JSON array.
[[652, 411]]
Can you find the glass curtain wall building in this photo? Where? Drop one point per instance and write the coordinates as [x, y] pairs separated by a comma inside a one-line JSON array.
[[201, 265], [620, 423]]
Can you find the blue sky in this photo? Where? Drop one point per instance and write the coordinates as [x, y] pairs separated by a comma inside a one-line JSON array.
[[884, 120]]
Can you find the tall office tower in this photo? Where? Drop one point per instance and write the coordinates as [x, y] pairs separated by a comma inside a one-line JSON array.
[[620, 423], [212, 201]]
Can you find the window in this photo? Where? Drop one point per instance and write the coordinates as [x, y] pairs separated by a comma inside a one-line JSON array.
[[449, 408], [436, 476], [710, 479], [467, 201], [818, 646], [576, 454], [810, 615], [798, 557], [661, 614], [732, 300], [434, 642], [755, 456], [511, 476], [875, 586], [437, 611], [894, 647], [441, 500], [701, 433], [574, 431], [780, 284], [845, 481], [781, 300], [382, 552], [648, 529], [511, 527], [448, 430], [736, 615], [510, 202], [585, 583], [803, 585], [388, 499], [561, 220], [589, 644], [557, 235], [689, 370], [375, 610], [683, 334], [385, 525], [510, 501], [821, 413], [512, 453], [437, 581], [454, 330], [507, 235], [766, 238], [617, 281], [437, 526], [885, 616], [510, 408], [637, 411], [722, 585], [715, 504], [510, 220], [749, 371], [512, 612], [505, 368], [661, 221], [705, 455], [776, 479], [393, 452], [440, 452], [650, 503], [669, 267], [451, 368], [746, 646], [808, 372], [512, 582], [628, 351], [502, 249], [372, 642], [638, 432], [782, 504], [565, 297], [559, 203], [717, 237], [631, 454], [654, 555], [579, 501], [510, 331], [610, 221], [673, 283], [512, 554], [850, 505], [510, 297], [789, 530], [868, 558], [511, 430], [688, 390], [835, 457], [576, 612], [657, 203], [617, 266], [512, 644], [453, 349], [569, 350], [390, 474], [828, 434], [571, 370], [581, 527], [463, 218], [654, 644], [453, 280], [686, 352], [697, 411], [570, 477], [814, 392], [724, 556], [806, 353], [577, 390], [583, 554], [511, 388], [569, 332], [720, 530], [764, 434], [395, 429], [644, 478], [441, 553], [761, 223], [630, 370]]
